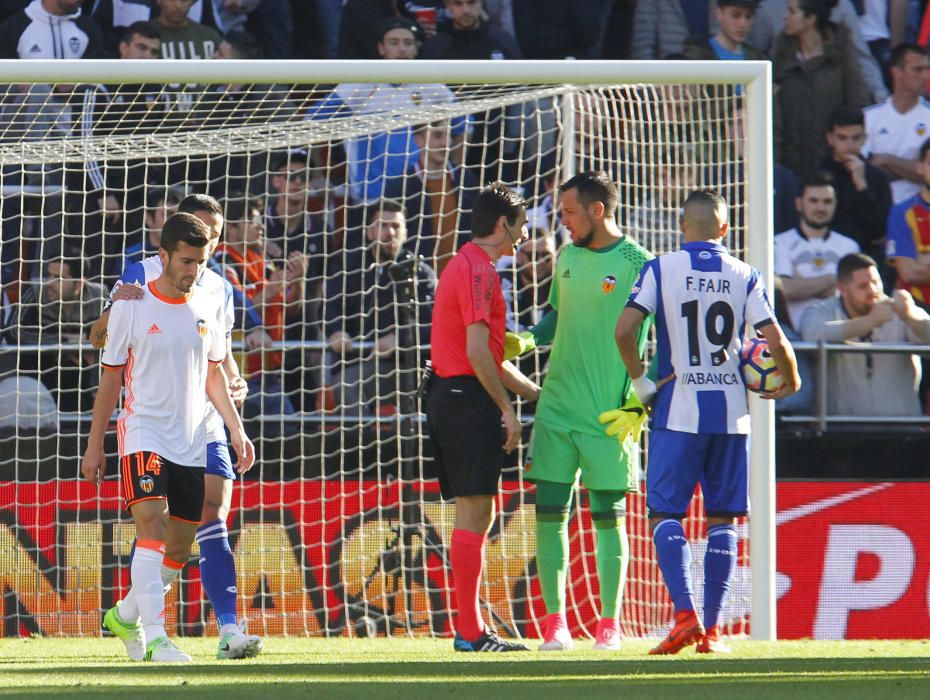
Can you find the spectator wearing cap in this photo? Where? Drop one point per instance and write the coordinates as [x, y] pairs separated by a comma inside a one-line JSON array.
[[400, 39], [363, 22], [466, 36], [734, 20], [291, 227], [376, 158]]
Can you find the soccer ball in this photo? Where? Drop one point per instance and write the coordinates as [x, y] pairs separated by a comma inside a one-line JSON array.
[[758, 367]]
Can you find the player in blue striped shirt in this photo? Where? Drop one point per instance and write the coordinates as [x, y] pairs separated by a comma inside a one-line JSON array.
[[703, 298]]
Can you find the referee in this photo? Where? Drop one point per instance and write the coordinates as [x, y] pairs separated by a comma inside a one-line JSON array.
[[468, 399]]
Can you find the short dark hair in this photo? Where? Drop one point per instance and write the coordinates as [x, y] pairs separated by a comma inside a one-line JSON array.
[[142, 27], [373, 211], [700, 209], [924, 147], [815, 178], [594, 186], [170, 196], [193, 203], [238, 206], [900, 52], [706, 195], [494, 201], [849, 264], [244, 43], [184, 228], [844, 115], [71, 257]]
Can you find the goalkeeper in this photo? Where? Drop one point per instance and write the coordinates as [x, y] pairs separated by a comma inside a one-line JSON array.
[[585, 379]]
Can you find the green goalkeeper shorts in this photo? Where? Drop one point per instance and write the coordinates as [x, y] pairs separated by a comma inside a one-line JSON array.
[[558, 454]]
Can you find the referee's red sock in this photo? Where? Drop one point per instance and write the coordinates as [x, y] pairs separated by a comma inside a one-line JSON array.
[[466, 556]]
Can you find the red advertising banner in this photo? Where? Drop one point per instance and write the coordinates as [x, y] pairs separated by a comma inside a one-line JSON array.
[[853, 560], [331, 557], [312, 557]]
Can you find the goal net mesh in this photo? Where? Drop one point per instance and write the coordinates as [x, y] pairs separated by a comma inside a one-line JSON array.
[[339, 528]]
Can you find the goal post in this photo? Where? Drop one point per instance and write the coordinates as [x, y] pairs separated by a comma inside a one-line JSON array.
[[336, 533]]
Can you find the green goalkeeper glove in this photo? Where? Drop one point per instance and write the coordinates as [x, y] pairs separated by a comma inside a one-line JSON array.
[[626, 421], [517, 344]]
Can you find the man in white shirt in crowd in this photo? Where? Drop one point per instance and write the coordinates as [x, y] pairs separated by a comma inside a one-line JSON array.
[[806, 256], [896, 127]]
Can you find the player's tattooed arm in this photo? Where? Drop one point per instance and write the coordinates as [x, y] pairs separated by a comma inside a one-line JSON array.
[[98, 331]]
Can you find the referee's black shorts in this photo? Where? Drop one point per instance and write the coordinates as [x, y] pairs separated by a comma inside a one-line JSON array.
[[466, 435]]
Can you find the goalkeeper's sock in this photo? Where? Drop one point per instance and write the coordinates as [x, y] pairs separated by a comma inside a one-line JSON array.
[[674, 556], [466, 556], [149, 589], [612, 548], [218, 571], [553, 504], [719, 565]]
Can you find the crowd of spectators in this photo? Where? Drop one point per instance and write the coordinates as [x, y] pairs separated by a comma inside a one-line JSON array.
[[341, 244]]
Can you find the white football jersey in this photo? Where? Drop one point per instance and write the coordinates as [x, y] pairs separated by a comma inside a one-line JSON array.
[[889, 131], [702, 298], [164, 347], [798, 256], [149, 270]]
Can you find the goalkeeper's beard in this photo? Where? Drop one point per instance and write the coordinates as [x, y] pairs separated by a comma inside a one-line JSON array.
[[585, 241]]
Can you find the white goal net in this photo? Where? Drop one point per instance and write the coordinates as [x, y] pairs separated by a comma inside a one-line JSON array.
[[338, 529]]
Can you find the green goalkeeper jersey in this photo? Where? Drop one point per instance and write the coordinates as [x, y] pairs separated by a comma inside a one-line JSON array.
[[585, 374]]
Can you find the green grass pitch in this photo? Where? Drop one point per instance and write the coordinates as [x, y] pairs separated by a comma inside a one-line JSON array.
[[424, 668]]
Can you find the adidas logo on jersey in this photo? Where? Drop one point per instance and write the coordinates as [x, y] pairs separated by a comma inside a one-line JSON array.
[[567, 275], [153, 329], [35, 49]]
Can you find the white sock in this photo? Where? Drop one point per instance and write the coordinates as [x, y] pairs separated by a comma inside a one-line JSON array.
[[128, 608], [170, 570], [228, 629], [149, 589]]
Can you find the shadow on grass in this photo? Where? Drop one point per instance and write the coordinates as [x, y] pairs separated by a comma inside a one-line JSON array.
[[470, 666], [485, 678]]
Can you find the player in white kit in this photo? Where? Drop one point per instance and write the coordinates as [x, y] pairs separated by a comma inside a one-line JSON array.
[[216, 563], [167, 348]]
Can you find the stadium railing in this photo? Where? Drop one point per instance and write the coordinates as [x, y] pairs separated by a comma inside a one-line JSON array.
[[822, 417]]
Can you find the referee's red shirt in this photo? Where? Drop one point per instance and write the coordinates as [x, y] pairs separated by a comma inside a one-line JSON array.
[[469, 291]]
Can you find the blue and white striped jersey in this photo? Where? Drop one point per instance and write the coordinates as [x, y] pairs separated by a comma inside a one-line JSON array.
[[702, 298]]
